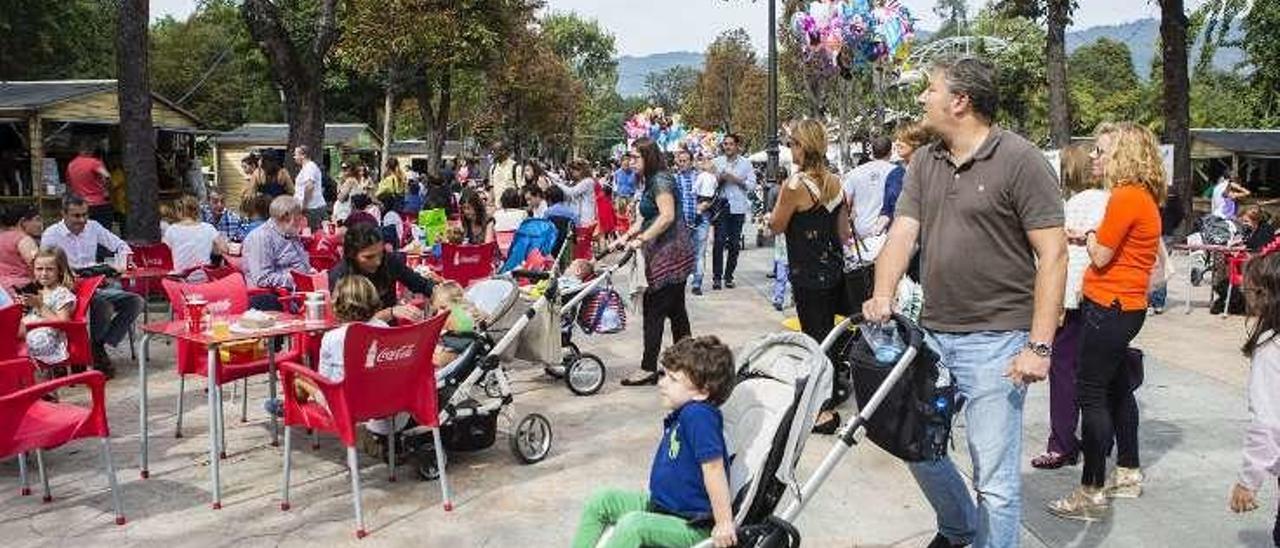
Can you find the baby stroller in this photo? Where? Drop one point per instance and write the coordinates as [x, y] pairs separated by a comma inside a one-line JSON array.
[[584, 372], [782, 382], [475, 390]]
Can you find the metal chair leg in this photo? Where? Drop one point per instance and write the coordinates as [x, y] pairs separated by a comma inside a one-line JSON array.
[[182, 388], [391, 448], [222, 425], [44, 478], [111, 481], [353, 464], [1226, 305], [440, 462], [288, 466], [244, 401], [22, 475], [315, 440]]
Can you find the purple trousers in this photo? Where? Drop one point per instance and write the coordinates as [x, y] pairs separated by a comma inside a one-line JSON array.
[[1064, 414]]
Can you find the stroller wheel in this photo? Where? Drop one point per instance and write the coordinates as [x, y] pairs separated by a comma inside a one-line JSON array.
[[585, 376], [531, 440], [425, 457]]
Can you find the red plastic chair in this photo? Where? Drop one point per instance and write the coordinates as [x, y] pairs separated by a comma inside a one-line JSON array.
[[10, 323], [323, 261], [504, 238], [401, 378], [1235, 277], [583, 240], [234, 262], [467, 263], [79, 345], [215, 273], [229, 296], [29, 423]]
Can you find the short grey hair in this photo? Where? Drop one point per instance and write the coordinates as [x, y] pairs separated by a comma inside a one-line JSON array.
[[283, 207], [972, 77]]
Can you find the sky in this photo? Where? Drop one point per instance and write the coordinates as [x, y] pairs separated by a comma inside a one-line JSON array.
[[643, 27]]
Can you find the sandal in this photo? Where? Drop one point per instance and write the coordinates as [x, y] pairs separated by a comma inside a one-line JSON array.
[[1052, 460], [829, 426]]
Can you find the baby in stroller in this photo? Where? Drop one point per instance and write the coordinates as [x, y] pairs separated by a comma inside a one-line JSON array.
[[688, 499], [460, 326]]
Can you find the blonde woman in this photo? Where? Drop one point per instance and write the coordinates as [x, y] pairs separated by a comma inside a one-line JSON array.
[[812, 213], [1122, 252]]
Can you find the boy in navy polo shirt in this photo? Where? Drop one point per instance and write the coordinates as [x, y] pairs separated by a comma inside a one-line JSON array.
[[688, 499]]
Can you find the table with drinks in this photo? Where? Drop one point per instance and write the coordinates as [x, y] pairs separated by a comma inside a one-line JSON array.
[[202, 327]]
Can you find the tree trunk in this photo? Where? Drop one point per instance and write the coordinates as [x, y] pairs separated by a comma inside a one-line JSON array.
[[134, 90], [1055, 54], [434, 111], [388, 114], [1176, 103], [298, 69]]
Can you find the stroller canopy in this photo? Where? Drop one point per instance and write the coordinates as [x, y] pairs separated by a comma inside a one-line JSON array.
[[532, 234], [782, 382]]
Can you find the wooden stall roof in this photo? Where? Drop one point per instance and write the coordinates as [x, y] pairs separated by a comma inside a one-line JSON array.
[[82, 101], [1221, 143], [416, 147], [348, 136]]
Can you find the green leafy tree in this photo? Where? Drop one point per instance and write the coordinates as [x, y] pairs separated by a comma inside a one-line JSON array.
[[1104, 86], [1057, 16], [1021, 76], [1262, 44], [954, 15], [535, 96], [296, 37], [62, 39], [210, 66], [588, 51], [669, 87], [731, 94]]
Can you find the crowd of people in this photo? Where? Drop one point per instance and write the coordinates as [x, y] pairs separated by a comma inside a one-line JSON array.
[[1028, 275]]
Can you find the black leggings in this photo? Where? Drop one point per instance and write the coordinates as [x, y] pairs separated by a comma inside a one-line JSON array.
[[1104, 389], [659, 306], [816, 309]]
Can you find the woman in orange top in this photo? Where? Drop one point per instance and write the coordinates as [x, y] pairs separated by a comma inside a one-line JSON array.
[[1122, 252]]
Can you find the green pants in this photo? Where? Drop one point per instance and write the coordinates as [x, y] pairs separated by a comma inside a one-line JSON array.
[[633, 525]]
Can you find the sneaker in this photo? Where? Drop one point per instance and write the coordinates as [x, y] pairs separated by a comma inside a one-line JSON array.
[[728, 284], [715, 286], [777, 306], [697, 290], [274, 406], [1124, 483], [1081, 504], [940, 541]]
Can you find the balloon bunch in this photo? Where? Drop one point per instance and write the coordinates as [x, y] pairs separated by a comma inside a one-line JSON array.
[[868, 33], [668, 131], [700, 142]]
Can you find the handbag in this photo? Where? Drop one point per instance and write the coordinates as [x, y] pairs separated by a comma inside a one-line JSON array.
[[669, 258]]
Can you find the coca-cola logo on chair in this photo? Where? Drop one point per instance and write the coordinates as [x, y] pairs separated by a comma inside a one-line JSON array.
[[379, 357]]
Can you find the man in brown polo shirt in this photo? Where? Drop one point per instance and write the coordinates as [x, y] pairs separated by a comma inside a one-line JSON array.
[[985, 207]]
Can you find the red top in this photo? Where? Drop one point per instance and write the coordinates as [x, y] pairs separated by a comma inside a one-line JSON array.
[[14, 272], [1131, 227], [85, 180]]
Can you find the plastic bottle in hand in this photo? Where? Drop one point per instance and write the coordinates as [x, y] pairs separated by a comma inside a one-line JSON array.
[[884, 340]]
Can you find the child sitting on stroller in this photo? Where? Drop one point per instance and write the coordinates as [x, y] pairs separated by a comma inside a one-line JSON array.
[[688, 499], [463, 315]]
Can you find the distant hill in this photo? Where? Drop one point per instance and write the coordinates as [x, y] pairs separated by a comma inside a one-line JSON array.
[[1141, 37]]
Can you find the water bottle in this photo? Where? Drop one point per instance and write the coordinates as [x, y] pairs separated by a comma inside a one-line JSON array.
[[884, 340]]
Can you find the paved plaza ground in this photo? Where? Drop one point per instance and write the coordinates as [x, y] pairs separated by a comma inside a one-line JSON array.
[[1193, 414]]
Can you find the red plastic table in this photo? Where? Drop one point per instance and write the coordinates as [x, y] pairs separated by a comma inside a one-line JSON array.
[[286, 325]]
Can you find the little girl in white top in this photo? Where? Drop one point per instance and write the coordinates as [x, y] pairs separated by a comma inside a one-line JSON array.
[[1261, 461], [55, 301]]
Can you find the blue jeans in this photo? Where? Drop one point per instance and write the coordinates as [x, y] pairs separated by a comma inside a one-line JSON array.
[[993, 419], [1159, 296], [781, 283], [699, 251]]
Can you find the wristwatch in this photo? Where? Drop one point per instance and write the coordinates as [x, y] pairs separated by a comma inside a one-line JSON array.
[[1043, 350]]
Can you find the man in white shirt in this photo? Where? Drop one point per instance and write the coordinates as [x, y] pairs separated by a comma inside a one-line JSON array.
[[737, 178], [113, 311], [308, 187], [864, 186]]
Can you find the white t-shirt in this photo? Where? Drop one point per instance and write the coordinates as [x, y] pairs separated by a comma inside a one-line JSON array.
[[705, 185], [332, 347], [1083, 212], [865, 187], [393, 219], [1223, 205], [309, 177], [191, 244], [506, 220]]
